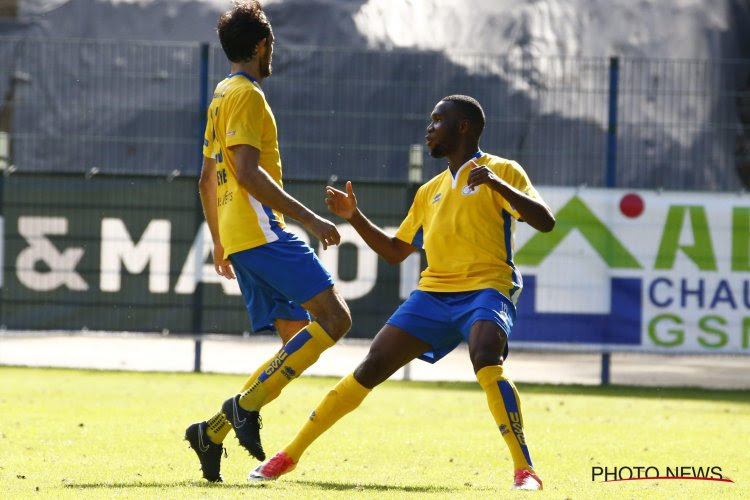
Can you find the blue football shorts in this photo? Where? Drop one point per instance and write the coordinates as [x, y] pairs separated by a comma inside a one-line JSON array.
[[276, 278], [444, 319]]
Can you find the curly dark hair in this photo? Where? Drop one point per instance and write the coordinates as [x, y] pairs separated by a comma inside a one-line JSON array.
[[241, 28], [470, 109]]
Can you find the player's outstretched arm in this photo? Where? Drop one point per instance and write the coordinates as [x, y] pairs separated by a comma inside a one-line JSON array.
[[344, 204], [263, 188]]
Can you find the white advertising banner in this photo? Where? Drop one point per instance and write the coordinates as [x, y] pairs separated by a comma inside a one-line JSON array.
[[640, 270]]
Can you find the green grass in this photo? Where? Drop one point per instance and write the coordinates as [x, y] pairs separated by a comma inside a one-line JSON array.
[[89, 434]]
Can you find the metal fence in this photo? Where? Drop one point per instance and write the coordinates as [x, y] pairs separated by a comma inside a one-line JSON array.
[[131, 253], [100, 146], [136, 108]]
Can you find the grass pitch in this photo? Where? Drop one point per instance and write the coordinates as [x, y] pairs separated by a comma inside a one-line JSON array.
[[89, 434]]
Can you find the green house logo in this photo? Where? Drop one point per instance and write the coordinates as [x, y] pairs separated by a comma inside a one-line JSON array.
[[577, 215]]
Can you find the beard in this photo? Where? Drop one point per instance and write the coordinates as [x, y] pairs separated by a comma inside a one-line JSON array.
[[439, 151], [265, 67]]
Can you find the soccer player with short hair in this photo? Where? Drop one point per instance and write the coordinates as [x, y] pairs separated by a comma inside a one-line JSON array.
[[464, 218], [244, 203]]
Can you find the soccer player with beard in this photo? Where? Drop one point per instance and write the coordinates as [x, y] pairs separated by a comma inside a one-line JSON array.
[[244, 203], [464, 218]]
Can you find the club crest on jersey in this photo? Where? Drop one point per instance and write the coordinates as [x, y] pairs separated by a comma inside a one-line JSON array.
[[466, 191], [436, 198]]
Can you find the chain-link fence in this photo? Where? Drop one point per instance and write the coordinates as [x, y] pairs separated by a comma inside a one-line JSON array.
[[78, 106], [116, 107], [100, 148]]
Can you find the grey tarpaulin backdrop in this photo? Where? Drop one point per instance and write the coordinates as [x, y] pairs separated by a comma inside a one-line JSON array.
[[134, 107]]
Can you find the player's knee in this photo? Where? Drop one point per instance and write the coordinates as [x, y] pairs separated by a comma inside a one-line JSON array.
[[486, 354], [486, 344], [336, 321], [372, 371], [344, 322], [483, 361]]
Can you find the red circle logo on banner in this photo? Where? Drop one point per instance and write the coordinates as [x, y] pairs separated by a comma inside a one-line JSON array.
[[631, 205]]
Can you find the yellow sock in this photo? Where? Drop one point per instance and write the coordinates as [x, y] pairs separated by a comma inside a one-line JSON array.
[[505, 406], [345, 397], [296, 356], [253, 377], [218, 425], [218, 428]]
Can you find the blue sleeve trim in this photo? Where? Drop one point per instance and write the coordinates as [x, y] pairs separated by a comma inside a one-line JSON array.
[[417, 240]]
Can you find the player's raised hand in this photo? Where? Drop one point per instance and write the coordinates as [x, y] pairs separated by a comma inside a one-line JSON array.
[[324, 230], [223, 267], [481, 174], [341, 203]]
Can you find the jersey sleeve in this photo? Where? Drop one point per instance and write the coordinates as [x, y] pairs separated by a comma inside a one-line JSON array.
[[245, 123], [410, 231], [515, 175], [209, 136]]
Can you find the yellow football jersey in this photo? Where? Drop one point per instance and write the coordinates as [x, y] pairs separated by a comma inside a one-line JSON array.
[[239, 114], [467, 234]]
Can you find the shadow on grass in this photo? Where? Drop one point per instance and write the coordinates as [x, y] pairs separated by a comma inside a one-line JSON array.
[[327, 485], [619, 391], [322, 485], [150, 484]]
